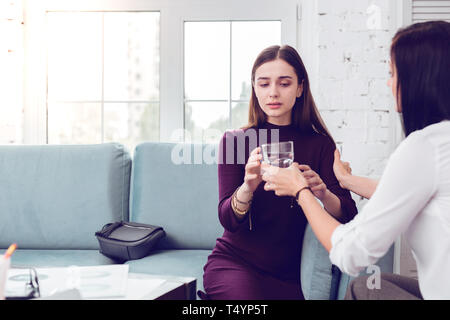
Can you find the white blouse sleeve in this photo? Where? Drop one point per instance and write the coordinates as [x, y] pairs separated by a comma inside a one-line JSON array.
[[404, 189]]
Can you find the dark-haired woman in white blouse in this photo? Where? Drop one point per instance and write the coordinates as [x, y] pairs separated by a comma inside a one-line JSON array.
[[413, 194]]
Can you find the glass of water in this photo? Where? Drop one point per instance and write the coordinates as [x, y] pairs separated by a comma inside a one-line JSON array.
[[278, 154]]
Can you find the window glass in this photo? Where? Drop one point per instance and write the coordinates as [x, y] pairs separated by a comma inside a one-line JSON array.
[[103, 77], [131, 56], [205, 119], [74, 123], [219, 55], [249, 39], [131, 123], [74, 56], [207, 60]]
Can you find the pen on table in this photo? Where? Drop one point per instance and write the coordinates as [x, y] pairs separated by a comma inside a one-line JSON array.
[[10, 251]]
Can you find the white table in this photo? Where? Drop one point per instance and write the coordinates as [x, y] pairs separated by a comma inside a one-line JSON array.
[[158, 287], [145, 287]]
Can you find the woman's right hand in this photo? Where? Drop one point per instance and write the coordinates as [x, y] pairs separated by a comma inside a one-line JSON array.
[[253, 177], [341, 169]]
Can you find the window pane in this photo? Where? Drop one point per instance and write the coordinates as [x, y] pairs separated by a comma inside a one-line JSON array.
[[74, 56], [131, 123], [74, 123], [131, 56], [205, 120], [248, 40], [239, 114], [207, 60]]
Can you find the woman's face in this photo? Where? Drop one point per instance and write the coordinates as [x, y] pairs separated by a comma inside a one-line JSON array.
[[392, 82], [276, 88]]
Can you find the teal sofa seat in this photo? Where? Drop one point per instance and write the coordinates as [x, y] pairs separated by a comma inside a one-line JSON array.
[[59, 258]]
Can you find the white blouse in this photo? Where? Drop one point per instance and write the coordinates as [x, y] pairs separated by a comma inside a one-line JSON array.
[[412, 197]]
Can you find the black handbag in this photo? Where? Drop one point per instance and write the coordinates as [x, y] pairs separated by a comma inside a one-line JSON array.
[[124, 241]]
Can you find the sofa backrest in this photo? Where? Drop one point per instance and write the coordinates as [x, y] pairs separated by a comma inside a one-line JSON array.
[[175, 186], [57, 196]]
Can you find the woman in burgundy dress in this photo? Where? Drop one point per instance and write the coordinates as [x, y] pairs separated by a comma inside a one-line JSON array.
[[258, 256]]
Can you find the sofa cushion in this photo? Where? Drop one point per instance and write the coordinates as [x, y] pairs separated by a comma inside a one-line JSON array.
[[182, 263], [175, 188], [315, 268], [57, 258], [57, 196]]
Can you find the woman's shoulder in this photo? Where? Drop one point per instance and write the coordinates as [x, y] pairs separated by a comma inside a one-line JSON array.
[[437, 134], [425, 135], [318, 139], [415, 146]]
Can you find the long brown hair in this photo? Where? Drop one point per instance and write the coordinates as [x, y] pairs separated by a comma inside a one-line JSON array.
[[305, 115]]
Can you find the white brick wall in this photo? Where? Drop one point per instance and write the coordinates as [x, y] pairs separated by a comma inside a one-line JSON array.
[[352, 72]]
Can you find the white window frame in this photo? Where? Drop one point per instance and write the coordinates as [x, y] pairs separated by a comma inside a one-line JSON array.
[[173, 14]]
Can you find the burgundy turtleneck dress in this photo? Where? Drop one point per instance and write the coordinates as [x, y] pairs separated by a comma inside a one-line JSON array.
[[259, 257]]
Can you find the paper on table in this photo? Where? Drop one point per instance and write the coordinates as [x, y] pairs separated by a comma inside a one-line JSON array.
[[91, 281]]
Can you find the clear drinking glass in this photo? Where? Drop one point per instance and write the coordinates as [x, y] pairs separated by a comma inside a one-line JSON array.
[[278, 154]]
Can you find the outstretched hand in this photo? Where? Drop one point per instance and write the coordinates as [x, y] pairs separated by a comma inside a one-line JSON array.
[[341, 169], [318, 187]]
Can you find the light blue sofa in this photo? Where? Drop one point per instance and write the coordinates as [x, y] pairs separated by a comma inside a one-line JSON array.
[[54, 198]]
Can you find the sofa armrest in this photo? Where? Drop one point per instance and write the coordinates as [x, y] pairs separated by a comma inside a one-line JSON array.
[[320, 279], [316, 275]]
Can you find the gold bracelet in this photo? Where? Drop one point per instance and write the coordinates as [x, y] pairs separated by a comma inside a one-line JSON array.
[[239, 201], [235, 208]]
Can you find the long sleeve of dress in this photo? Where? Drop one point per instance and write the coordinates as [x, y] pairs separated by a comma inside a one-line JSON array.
[[231, 171], [405, 187], [326, 173]]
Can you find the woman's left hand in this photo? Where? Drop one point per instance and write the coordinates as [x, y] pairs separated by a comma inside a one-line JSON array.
[[318, 187], [284, 181]]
